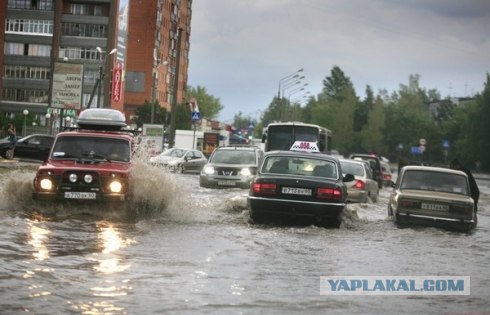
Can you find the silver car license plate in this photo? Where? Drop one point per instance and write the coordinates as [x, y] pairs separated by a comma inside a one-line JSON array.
[[296, 191], [79, 195], [433, 206]]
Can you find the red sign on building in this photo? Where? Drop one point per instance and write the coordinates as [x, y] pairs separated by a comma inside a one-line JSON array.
[[117, 82]]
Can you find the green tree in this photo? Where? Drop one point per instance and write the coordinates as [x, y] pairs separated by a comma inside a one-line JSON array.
[[143, 114], [471, 130], [362, 110], [336, 83], [209, 106], [372, 134]]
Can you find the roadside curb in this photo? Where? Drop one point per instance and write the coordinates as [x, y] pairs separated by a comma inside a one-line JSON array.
[[15, 163]]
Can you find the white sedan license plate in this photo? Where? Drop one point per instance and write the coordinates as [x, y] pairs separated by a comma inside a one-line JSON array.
[[432, 206], [79, 195], [226, 183], [296, 191]]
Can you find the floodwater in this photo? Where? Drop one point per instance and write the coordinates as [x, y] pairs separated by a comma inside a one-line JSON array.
[[176, 248]]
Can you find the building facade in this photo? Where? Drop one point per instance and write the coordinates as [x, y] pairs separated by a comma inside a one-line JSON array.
[[158, 53], [54, 54], [61, 56]]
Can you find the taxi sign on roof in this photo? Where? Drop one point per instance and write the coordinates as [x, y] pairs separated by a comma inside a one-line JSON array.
[[305, 146]]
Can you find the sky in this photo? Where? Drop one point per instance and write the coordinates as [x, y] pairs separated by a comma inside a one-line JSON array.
[[244, 52]]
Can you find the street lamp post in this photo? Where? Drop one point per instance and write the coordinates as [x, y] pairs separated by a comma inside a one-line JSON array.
[[98, 83], [287, 78], [48, 123], [154, 88], [25, 112]]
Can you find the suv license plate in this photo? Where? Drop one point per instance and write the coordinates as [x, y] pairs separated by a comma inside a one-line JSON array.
[[296, 191], [226, 183], [79, 195]]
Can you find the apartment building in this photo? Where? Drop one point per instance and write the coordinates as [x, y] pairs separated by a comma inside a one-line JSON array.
[[158, 53], [60, 56]]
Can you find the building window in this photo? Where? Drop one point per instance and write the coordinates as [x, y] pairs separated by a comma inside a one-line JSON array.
[[79, 9], [39, 50], [37, 27], [84, 30], [14, 48], [31, 4], [97, 10], [79, 53], [26, 72], [25, 95]]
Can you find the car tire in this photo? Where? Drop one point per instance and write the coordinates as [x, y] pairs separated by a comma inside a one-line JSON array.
[[374, 198], [390, 211], [180, 168]]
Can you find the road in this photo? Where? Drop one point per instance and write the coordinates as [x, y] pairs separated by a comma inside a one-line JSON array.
[[177, 248]]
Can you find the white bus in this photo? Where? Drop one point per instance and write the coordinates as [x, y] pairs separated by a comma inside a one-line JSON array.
[[281, 136]]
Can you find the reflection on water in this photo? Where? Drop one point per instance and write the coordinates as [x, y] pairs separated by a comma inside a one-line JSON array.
[[38, 236]]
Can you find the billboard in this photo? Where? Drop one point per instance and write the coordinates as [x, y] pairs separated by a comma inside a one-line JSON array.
[[67, 86]]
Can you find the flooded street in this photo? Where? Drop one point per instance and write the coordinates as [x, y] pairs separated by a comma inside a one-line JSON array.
[[177, 248]]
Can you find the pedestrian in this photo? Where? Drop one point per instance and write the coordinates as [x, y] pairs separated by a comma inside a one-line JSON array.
[[475, 192], [12, 139]]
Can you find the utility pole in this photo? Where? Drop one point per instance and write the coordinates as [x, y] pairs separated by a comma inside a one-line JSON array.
[[173, 111]]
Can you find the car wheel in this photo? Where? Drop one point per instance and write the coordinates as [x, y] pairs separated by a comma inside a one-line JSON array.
[[390, 211], [375, 197], [180, 168]]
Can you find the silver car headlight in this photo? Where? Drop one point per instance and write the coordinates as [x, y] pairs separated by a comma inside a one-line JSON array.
[[246, 171], [208, 170], [172, 163]]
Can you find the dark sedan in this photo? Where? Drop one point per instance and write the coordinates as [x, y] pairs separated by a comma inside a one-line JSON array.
[[299, 184], [35, 147]]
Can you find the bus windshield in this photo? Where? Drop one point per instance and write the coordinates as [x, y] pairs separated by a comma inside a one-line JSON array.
[[281, 136]]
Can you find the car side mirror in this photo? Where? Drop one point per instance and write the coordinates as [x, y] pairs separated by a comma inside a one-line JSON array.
[[348, 178]]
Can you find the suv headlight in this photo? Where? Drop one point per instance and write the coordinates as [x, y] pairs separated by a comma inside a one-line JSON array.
[[115, 187], [246, 171], [46, 184], [208, 170]]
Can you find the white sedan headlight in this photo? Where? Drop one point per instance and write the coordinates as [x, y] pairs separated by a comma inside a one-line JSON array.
[[246, 172], [172, 163], [208, 170]]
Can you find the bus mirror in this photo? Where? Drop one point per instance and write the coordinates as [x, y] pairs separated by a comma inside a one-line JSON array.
[[264, 137]]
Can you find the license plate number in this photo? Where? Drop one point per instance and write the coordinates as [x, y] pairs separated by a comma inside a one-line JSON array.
[[79, 195], [436, 207], [226, 183], [296, 191]]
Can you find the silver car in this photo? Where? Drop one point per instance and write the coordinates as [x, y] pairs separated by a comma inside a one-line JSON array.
[[180, 160], [231, 166], [434, 196], [363, 187]]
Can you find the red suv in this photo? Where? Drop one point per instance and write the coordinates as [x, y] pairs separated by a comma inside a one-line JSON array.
[[90, 162]]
